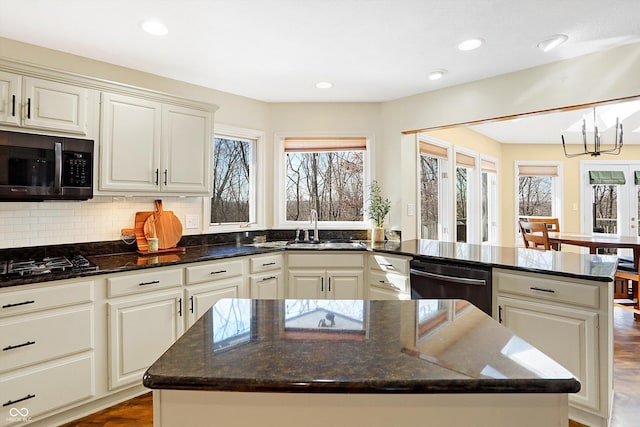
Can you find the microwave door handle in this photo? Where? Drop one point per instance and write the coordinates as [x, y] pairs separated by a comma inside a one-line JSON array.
[[57, 181]]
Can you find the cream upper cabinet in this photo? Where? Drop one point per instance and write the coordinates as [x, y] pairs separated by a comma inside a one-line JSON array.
[[150, 147], [186, 149], [130, 144], [43, 104], [10, 98]]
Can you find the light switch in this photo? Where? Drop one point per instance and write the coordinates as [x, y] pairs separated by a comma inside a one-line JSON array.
[[193, 221], [411, 209]]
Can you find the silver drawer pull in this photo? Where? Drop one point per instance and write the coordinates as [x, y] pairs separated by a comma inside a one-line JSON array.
[[551, 291], [268, 263], [11, 347], [387, 265], [13, 402], [218, 272], [153, 282], [18, 303], [391, 285], [268, 278]]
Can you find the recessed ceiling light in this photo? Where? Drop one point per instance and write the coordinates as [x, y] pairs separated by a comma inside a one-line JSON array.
[[324, 85], [552, 42], [470, 44], [155, 28], [437, 74]]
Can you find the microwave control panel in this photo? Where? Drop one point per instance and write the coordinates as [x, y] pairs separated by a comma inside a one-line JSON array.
[[76, 169]]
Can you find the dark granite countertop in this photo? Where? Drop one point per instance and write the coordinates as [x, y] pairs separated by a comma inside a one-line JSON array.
[[567, 264], [344, 346]]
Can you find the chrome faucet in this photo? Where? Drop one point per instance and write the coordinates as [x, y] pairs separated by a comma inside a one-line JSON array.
[[314, 220]]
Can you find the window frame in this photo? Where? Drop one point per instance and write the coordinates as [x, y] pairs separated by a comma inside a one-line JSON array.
[[473, 234], [280, 220], [445, 231], [256, 185], [494, 202], [556, 191]]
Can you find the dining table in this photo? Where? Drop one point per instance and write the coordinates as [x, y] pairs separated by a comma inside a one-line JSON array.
[[597, 241]]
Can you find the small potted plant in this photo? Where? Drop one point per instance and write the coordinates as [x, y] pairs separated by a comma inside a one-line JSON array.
[[378, 210]]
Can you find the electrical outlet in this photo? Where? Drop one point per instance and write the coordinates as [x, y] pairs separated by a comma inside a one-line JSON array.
[[193, 221]]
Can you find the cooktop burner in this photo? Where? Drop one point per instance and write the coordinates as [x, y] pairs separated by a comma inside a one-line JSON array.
[[46, 265]]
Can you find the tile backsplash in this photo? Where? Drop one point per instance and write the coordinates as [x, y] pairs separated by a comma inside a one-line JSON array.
[[99, 219]]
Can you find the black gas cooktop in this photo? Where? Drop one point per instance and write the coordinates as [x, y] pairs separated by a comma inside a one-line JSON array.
[[47, 265]]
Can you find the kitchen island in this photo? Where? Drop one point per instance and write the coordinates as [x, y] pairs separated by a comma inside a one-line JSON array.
[[375, 363]]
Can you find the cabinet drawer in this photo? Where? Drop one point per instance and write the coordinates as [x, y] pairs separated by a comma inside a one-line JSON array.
[[545, 288], [45, 297], [144, 282], [266, 263], [47, 388], [34, 339], [389, 281], [214, 271], [315, 260], [389, 263]]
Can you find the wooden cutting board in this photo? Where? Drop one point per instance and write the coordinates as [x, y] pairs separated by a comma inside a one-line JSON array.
[[138, 229], [167, 227]]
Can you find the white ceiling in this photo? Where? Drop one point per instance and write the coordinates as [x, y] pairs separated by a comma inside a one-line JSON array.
[[276, 50]]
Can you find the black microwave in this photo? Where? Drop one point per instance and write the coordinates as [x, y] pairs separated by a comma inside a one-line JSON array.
[[41, 167]]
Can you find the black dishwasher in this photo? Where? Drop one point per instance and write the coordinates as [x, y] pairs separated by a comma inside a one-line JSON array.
[[445, 279]]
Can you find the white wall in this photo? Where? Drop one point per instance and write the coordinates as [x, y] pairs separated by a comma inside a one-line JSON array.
[[607, 75]]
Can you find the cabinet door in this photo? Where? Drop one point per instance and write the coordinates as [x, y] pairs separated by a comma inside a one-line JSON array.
[[186, 146], [202, 297], [10, 98], [268, 286], [140, 330], [130, 144], [567, 335], [306, 284], [344, 284], [53, 105]]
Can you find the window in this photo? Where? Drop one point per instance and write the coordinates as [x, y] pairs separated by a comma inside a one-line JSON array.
[[489, 200], [433, 185], [465, 171], [325, 174], [539, 189], [233, 201]]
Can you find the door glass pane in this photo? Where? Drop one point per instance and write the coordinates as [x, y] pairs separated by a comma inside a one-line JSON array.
[[485, 207], [535, 196], [231, 181], [461, 204], [429, 184], [605, 209]]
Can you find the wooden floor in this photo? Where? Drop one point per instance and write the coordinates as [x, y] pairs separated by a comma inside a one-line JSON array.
[[626, 406]]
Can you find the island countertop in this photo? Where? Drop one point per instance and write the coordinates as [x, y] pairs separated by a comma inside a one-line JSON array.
[[354, 346]]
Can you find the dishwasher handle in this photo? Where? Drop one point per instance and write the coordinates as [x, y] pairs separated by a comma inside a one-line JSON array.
[[452, 279]]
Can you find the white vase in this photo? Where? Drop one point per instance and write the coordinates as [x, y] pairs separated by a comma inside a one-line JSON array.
[[377, 234]]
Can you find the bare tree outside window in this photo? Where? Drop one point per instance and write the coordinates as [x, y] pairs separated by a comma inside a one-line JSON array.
[[231, 181], [461, 204], [330, 182], [605, 208], [429, 203], [535, 196]]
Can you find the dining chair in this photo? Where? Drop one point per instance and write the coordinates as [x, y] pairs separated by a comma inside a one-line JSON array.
[[535, 235], [553, 224], [626, 288]]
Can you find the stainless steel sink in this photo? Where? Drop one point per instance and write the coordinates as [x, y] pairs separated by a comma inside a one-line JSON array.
[[326, 245]]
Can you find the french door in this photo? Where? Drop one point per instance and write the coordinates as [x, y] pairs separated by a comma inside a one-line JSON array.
[[611, 193]]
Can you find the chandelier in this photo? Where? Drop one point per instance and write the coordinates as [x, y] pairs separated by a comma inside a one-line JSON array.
[[617, 146]]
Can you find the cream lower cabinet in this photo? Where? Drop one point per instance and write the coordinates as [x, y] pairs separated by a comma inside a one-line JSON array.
[[47, 357], [314, 275], [570, 321], [209, 282], [388, 277], [144, 320], [266, 281]]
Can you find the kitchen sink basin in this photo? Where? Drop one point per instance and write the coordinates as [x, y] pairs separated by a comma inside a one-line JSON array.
[[326, 245]]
